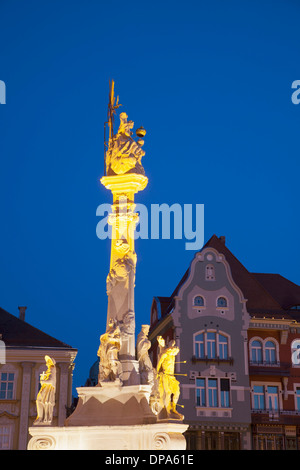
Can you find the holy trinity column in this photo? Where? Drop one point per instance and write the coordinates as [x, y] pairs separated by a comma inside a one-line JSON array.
[[125, 176]]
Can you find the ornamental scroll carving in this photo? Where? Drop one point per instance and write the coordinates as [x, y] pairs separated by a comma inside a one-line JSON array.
[[108, 352], [42, 443], [120, 271]]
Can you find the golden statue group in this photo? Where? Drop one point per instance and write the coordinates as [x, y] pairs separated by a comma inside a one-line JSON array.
[[165, 388]]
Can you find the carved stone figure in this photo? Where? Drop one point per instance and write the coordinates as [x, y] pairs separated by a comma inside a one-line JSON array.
[[127, 325], [145, 365], [155, 401], [169, 387], [124, 154], [110, 344], [45, 400], [120, 271]]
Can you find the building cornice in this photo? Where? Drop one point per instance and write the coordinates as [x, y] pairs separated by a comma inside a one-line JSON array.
[[36, 354], [159, 326], [272, 323]]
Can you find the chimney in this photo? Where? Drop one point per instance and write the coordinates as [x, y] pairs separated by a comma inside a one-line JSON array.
[[22, 311], [222, 239]]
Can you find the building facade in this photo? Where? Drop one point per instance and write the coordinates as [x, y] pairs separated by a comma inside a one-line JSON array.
[[274, 366], [23, 350], [237, 333]]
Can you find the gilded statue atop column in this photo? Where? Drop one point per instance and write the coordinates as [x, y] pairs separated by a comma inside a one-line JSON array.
[[124, 154], [110, 344], [45, 400]]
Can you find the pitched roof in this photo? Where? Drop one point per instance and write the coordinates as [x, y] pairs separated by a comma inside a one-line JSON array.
[[18, 333], [266, 294], [259, 299], [286, 292]]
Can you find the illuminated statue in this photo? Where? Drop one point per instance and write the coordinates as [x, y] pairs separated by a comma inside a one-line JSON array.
[[45, 400], [169, 389], [124, 177], [145, 365], [124, 154], [155, 401], [110, 344]]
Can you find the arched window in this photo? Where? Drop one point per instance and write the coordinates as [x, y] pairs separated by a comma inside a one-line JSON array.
[[222, 302], [199, 301], [270, 352], [211, 345], [296, 352], [256, 352]]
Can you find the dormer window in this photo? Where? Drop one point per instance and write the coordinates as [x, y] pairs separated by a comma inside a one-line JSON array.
[[199, 301], [209, 272], [295, 307]]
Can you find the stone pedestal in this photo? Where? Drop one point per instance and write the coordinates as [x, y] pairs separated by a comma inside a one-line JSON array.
[[157, 436], [112, 404], [111, 417]]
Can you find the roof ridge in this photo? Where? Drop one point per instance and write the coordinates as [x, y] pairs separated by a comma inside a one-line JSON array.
[[223, 249], [39, 335]]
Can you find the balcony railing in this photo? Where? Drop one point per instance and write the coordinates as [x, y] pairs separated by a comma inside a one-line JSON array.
[[264, 364], [213, 360], [279, 416], [270, 368]]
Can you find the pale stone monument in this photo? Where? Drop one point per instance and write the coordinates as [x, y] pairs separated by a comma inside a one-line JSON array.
[[45, 399], [143, 345], [133, 406]]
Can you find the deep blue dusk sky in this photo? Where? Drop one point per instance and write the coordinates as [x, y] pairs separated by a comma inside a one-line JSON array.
[[210, 81]]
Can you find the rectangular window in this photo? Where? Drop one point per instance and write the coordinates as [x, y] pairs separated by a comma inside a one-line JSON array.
[[211, 345], [223, 347], [7, 386], [212, 393], [200, 392], [256, 352], [5, 436], [273, 398], [199, 346], [258, 397], [298, 399], [270, 352], [224, 389]]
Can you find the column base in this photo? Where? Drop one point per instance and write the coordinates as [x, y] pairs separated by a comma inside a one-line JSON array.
[[158, 436]]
